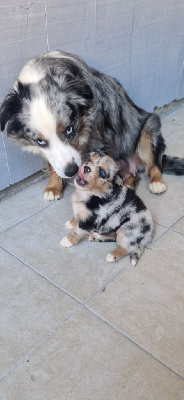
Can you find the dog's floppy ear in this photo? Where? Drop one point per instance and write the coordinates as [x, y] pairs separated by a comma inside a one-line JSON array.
[[11, 108]]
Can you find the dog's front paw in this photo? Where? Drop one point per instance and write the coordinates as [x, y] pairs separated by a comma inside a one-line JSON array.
[[95, 237], [65, 242], [68, 225], [157, 187], [110, 258], [51, 194]]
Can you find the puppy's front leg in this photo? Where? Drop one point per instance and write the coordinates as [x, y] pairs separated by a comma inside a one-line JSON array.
[[74, 237], [71, 224], [96, 237]]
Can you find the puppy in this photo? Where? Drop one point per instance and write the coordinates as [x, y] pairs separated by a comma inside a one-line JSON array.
[[106, 210]]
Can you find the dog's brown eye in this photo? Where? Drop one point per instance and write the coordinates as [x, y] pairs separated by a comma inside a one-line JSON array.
[[102, 173], [42, 143]]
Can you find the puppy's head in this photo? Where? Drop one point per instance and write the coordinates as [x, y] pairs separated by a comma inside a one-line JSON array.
[[96, 176], [46, 111]]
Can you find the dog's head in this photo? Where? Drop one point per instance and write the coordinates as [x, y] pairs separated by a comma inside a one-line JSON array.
[[46, 111], [97, 175]]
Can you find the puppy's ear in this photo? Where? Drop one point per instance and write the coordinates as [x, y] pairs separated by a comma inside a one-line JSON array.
[[93, 153], [98, 152]]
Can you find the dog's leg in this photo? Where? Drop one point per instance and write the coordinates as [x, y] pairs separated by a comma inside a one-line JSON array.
[[150, 156], [156, 184], [132, 182], [120, 251], [74, 237], [96, 237], [116, 255], [54, 189], [71, 239], [71, 224]]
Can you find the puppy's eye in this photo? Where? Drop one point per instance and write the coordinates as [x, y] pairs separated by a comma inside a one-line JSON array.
[[87, 169], [42, 143], [69, 130], [102, 173]]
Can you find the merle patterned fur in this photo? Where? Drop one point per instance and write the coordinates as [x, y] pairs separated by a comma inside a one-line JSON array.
[[121, 209], [101, 113], [105, 207]]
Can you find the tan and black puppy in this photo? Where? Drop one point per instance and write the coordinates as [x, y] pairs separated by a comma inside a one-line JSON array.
[[106, 210]]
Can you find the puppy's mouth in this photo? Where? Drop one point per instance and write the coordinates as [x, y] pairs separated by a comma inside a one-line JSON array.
[[80, 178], [80, 181]]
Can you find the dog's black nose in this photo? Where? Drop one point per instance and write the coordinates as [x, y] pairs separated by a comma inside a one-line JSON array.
[[71, 169], [87, 169]]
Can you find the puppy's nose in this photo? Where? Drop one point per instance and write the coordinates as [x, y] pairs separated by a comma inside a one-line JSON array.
[[71, 169], [87, 169]]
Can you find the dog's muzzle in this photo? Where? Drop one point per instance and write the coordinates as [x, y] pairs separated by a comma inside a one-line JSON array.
[[71, 169]]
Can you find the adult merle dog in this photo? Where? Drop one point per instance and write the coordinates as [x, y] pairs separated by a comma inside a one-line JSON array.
[[63, 109]]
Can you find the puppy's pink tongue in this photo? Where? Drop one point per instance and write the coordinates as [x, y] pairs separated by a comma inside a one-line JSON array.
[[81, 173]]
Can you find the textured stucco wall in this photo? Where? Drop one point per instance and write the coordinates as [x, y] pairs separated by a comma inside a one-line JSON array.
[[140, 42]]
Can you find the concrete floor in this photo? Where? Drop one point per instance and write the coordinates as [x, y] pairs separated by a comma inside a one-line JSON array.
[[75, 327]]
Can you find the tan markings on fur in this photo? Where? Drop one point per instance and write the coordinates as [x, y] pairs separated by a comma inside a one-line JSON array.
[[75, 142], [106, 238], [95, 158], [80, 140], [74, 238], [95, 183], [119, 237], [119, 253], [82, 212], [73, 222], [130, 181], [42, 137], [155, 175], [96, 237], [55, 184], [146, 157], [145, 151], [60, 128], [103, 166]]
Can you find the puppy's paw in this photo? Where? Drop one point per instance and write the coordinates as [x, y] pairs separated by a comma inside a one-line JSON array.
[[68, 225], [51, 194], [110, 258], [157, 187], [95, 237], [65, 242], [133, 261]]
